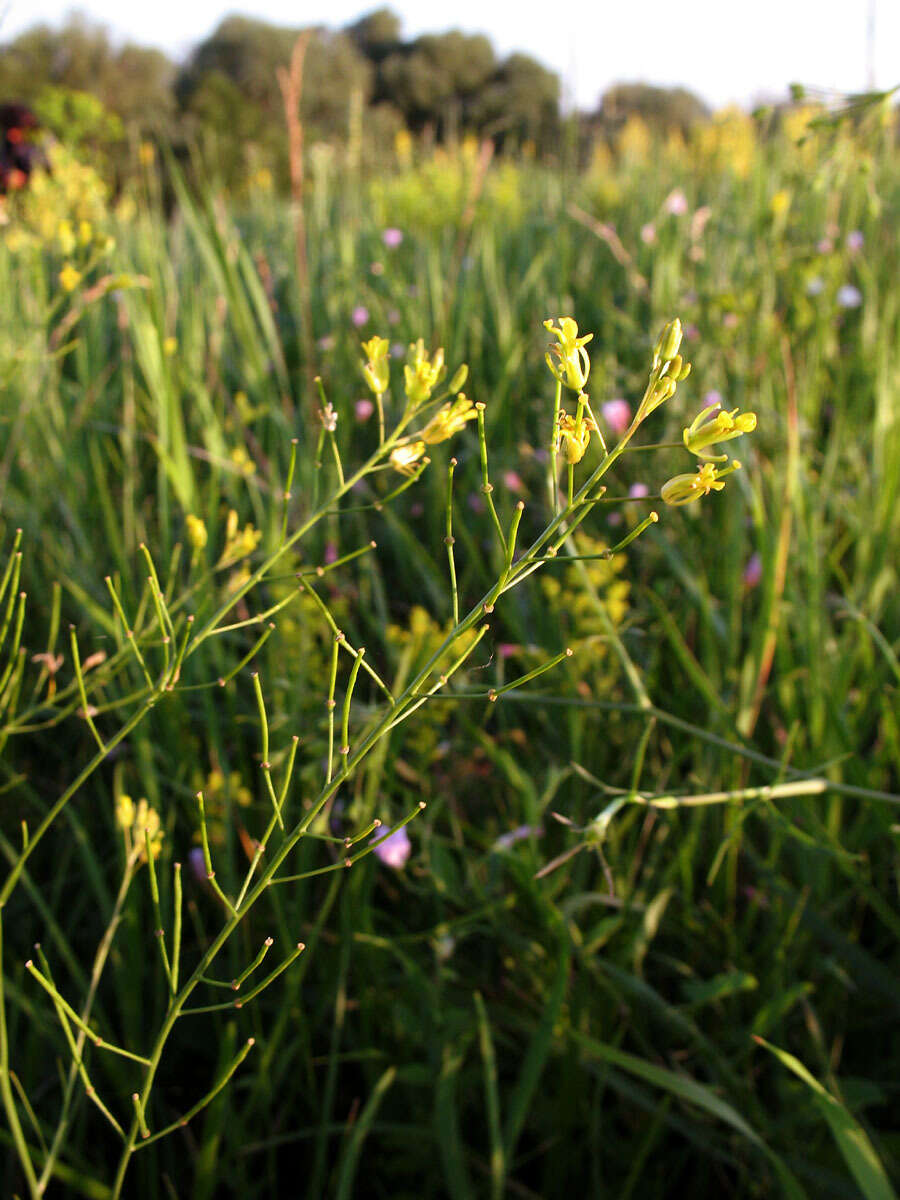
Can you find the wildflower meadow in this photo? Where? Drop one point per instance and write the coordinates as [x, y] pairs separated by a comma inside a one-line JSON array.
[[449, 635]]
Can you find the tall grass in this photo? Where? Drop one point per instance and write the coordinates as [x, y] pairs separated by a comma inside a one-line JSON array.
[[631, 873]]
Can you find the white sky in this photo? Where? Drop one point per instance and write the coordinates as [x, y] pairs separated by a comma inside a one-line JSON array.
[[725, 50]]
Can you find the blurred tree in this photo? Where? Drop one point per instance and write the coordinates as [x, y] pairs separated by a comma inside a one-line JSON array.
[[133, 82], [376, 35], [519, 102], [436, 80], [246, 54], [663, 109]]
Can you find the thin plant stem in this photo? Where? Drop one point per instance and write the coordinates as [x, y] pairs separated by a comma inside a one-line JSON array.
[[449, 542]]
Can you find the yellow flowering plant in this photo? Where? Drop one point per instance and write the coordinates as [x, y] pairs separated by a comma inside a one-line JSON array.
[[189, 634]]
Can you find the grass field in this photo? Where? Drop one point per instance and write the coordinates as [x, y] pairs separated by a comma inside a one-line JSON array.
[[645, 941]]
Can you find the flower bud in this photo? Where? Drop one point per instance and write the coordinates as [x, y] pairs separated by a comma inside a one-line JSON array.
[[376, 370], [196, 531], [669, 342], [459, 378]]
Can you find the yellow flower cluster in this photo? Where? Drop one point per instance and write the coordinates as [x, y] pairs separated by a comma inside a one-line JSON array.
[[139, 823], [443, 190], [63, 207], [238, 542], [422, 374], [727, 142]]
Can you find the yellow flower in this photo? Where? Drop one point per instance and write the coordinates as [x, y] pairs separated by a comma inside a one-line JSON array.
[[138, 823], [449, 419], [685, 489], [780, 202], [423, 375], [170, 345], [242, 460], [85, 233], [403, 145], [124, 811], [147, 825], [376, 369], [66, 237], [215, 789], [566, 357], [196, 531], [405, 458], [238, 543], [147, 154], [711, 426], [573, 436], [69, 277]]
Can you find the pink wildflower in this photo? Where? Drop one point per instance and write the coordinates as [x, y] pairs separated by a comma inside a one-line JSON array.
[[617, 414], [676, 203], [395, 849]]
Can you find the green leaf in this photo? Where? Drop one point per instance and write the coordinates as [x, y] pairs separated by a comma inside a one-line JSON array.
[[852, 1140]]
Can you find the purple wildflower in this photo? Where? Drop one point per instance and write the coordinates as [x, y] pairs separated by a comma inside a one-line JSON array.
[[517, 835], [849, 296], [855, 240], [197, 864], [363, 409], [392, 238], [360, 315], [395, 849], [753, 571]]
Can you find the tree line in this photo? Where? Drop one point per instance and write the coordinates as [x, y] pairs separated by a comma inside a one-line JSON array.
[[364, 81]]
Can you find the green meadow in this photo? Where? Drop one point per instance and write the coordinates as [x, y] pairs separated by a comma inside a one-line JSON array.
[[638, 935]]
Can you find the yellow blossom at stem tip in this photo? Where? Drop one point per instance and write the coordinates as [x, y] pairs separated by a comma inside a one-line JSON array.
[[196, 531], [685, 489], [405, 458], [423, 375], [712, 426], [69, 278], [238, 543], [449, 419], [573, 436], [376, 369], [567, 358]]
